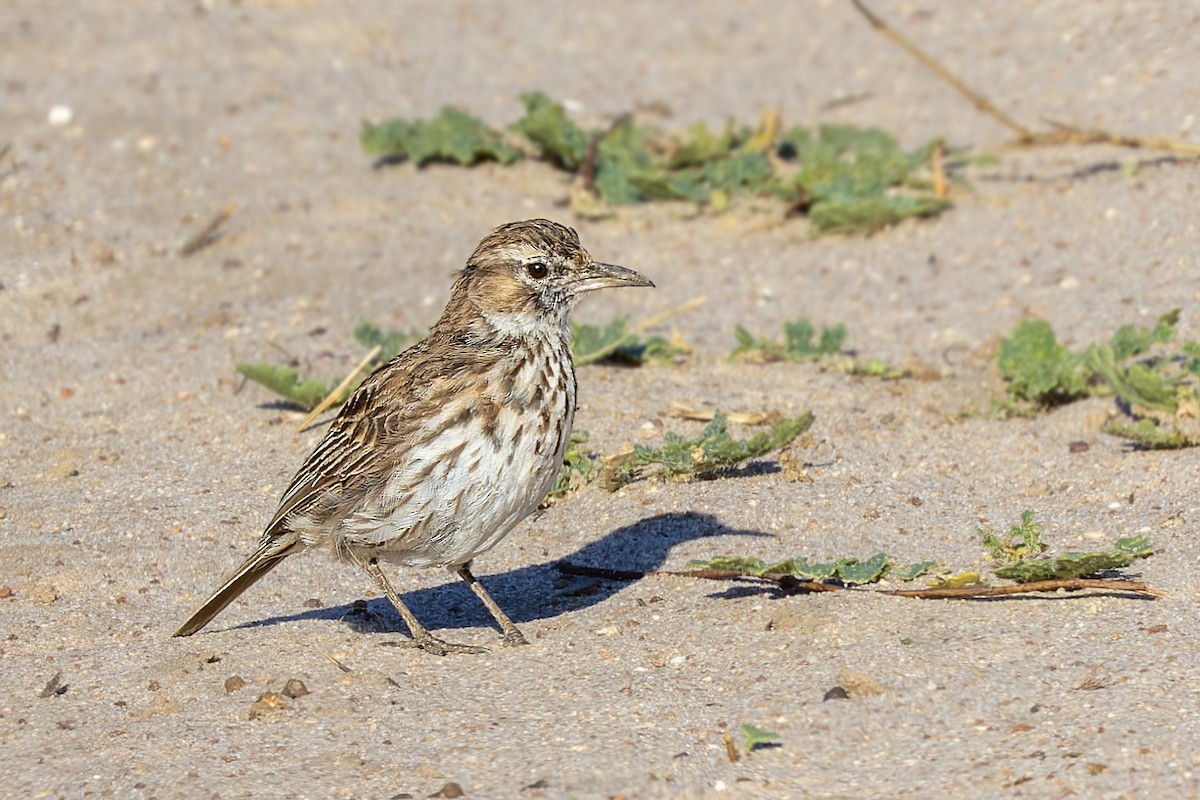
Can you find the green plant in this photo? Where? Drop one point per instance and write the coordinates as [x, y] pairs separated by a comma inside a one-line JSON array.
[[757, 738], [849, 571], [845, 179], [580, 467], [703, 456], [798, 343], [1156, 385], [617, 342], [1020, 553]]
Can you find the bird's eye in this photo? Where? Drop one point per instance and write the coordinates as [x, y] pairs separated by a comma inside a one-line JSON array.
[[536, 269]]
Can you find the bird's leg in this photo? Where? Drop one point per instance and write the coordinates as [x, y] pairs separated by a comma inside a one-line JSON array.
[[512, 635], [422, 638]]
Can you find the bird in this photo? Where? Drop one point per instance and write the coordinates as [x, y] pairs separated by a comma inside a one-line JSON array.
[[440, 452]]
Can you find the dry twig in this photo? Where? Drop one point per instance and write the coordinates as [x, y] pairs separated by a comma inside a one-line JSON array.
[[792, 583], [663, 316], [644, 326], [336, 663], [1067, 585], [333, 396], [937, 161], [684, 411], [1069, 134], [731, 751], [207, 234], [1064, 134], [980, 102]]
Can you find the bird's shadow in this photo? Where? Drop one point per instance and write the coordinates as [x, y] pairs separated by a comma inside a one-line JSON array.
[[539, 591]]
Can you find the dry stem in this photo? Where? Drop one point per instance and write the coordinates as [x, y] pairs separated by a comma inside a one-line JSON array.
[[1064, 134], [333, 396], [207, 234], [792, 583]]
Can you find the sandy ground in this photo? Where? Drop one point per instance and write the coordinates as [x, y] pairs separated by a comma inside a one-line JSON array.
[[135, 471]]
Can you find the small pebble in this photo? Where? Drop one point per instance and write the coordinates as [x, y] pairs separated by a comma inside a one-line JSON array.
[[295, 688], [60, 115], [266, 703], [858, 684], [163, 704], [259, 709], [60, 471], [273, 699], [55, 686], [233, 683]]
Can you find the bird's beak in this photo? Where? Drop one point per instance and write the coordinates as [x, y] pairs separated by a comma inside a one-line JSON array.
[[602, 276]]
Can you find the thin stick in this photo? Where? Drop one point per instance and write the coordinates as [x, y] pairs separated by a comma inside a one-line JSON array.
[[1065, 134], [731, 751], [792, 583], [1069, 585], [663, 316], [641, 327], [937, 161], [206, 235], [567, 568], [1069, 134], [3, 154], [684, 411], [980, 102], [333, 396], [336, 663], [54, 686], [767, 133]]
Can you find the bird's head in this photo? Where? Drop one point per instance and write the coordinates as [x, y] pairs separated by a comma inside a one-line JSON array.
[[528, 275]]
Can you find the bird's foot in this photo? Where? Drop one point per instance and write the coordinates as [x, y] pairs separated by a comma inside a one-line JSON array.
[[431, 644], [514, 638]]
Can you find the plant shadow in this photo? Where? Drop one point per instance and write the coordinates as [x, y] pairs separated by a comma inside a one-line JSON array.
[[1092, 170]]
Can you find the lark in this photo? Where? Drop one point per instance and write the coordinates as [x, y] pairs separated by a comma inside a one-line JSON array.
[[440, 453]]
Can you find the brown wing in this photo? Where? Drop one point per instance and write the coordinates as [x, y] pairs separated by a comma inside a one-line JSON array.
[[350, 459], [366, 443]]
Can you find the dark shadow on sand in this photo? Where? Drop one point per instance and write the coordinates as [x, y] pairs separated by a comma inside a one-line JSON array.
[[538, 591]]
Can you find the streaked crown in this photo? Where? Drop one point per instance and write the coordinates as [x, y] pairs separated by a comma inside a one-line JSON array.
[[536, 269]]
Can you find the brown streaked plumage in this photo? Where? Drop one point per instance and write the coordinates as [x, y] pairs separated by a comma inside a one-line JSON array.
[[445, 448]]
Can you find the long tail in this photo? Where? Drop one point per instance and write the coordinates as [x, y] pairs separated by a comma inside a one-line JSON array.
[[263, 561]]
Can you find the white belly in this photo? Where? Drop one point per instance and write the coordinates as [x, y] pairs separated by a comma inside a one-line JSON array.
[[459, 494]]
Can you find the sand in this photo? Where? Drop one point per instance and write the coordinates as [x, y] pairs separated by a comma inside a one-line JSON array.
[[136, 469]]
